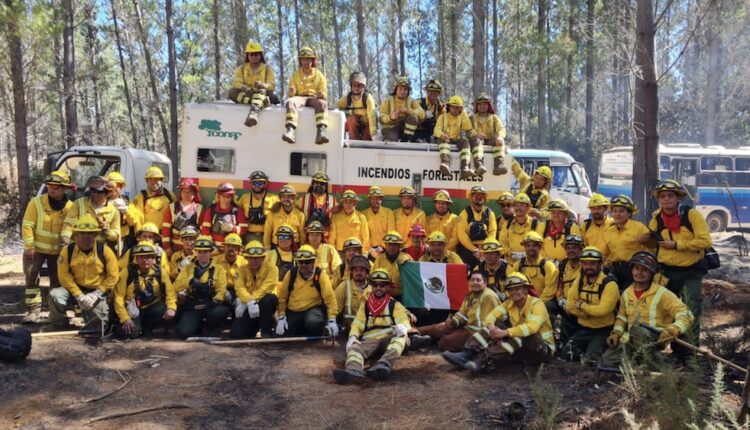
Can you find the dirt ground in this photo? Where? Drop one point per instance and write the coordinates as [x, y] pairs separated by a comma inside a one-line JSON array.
[[291, 385]]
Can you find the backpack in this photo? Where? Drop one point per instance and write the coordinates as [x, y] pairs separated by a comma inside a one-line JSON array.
[[607, 279], [499, 273], [711, 256], [284, 266], [365, 95], [542, 263], [143, 298], [202, 292], [391, 307], [99, 252], [293, 277], [534, 223], [478, 230], [214, 216], [164, 192], [14, 345]]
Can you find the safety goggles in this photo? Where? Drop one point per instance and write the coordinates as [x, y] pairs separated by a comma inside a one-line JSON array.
[[305, 262], [258, 183], [284, 237], [255, 252], [506, 205]]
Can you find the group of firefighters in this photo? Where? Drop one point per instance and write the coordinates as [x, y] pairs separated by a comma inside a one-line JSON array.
[[284, 264], [401, 117]]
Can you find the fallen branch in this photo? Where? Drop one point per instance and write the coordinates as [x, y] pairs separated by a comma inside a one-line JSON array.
[[54, 334], [104, 396], [271, 340], [137, 412]]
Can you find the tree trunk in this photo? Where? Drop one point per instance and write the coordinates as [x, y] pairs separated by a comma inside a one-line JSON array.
[[58, 61], [128, 102], [495, 54], [572, 34], [282, 85], [588, 149], [173, 119], [453, 21], [391, 32], [359, 6], [625, 75], [646, 118], [400, 25], [216, 11], [296, 26], [145, 122], [441, 42], [479, 43], [337, 47], [541, 80], [69, 77], [91, 42], [713, 74], [240, 29]]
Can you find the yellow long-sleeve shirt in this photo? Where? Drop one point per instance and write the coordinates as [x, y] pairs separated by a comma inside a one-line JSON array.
[[309, 85], [232, 270], [182, 283], [475, 309], [256, 285], [154, 206], [448, 257], [295, 219], [86, 270], [595, 234], [657, 307], [349, 297], [569, 274], [540, 197], [246, 76], [161, 256], [454, 126], [378, 224], [125, 291], [357, 107], [511, 235], [545, 284], [599, 301], [103, 214], [179, 260], [447, 224], [622, 243], [381, 326], [344, 226], [383, 262], [490, 125], [305, 296], [554, 247], [691, 245], [394, 104], [462, 229], [42, 225], [327, 259], [495, 275], [437, 109], [249, 198], [404, 221], [528, 321]]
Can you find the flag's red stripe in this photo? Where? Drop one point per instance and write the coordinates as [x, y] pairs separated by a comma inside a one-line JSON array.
[[458, 286]]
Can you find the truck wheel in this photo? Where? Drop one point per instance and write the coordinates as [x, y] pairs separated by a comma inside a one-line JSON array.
[[716, 222]]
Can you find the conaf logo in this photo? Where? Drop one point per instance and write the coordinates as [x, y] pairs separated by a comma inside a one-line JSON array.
[[213, 129], [435, 285]]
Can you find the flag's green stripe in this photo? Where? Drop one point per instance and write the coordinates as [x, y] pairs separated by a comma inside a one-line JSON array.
[[412, 291]]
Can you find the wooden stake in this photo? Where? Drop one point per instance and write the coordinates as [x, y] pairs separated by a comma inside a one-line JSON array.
[[272, 340], [54, 334], [745, 408]]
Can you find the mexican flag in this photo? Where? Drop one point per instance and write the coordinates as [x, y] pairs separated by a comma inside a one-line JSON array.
[[433, 285]]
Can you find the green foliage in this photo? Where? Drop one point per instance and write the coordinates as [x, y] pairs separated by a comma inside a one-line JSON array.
[[547, 400]]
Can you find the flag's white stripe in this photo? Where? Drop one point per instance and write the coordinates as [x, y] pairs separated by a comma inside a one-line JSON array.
[[434, 300]]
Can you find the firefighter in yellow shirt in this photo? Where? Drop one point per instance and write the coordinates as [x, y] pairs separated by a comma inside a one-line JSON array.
[[147, 233], [131, 218], [360, 109], [232, 261], [186, 255], [286, 213], [490, 131], [318, 203], [40, 230], [514, 230], [592, 300], [327, 258], [380, 220], [256, 301], [254, 83], [307, 87], [594, 229], [519, 329], [155, 199], [350, 293], [494, 267], [432, 107], [408, 214], [650, 316], [505, 202], [556, 229], [391, 259], [379, 332], [536, 187], [100, 208], [349, 222], [144, 297], [87, 271], [443, 220], [569, 270], [437, 251], [400, 114], [352, 248], [625, 237], [476, 223], [257, 205], [454, 127], [541, 272], [306, 298]]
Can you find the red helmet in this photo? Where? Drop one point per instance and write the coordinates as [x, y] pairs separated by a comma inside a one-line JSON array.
[[187, 183]]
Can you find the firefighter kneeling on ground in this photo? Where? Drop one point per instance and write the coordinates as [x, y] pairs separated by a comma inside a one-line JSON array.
[[255, 303], [201, 289], [144, 296], [379, 332]]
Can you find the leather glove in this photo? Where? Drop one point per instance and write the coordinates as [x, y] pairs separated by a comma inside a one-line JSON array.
[[253, 309], [133, 310], [96, 296], [226, 227], [281, 326], [428, 114], [352, 340], [333, 328], [120, 204], [668, 335], [400, 330], [613, 340], [239, 308], [84, 301]]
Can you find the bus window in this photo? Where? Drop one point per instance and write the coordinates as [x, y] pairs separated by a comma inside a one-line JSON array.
[[684, 171], [307, 163], [216, 160], [715, 170], [742, 171], [664, 164]]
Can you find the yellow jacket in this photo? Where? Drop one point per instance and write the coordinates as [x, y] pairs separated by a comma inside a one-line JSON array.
[[309, 85], [378, 224], [445, 224], [366, 115], [122, 264], [106, 213], [526, 186], [232, 270], [182, 283], [463, 227], [327, 259], [42, 225], [511, 235], [622, 243], [287, 260], [255, 286], [475, 309], [545, 284], [405, 221], [599, 301], [268, 202], [490, 125], [245, 76], [305, 296], [178, 262], [344, 226], [382, 262], [569, 275], [530, 320], [132, 220], [372, 328], [154, 207], [691, 245], [454, 126], [295, 219], [392, 104], [437, 109], [125, 291], [595, 235], [553, 247], [658, 308], [87, 270], [449, 257], [349, 297]]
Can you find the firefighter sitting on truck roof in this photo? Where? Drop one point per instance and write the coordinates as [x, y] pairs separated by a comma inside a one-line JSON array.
[[490, 131], [307, 87], [475, 224], [100, 208], [224, 216], [87, 271], [143, 297], [42, 224], [380, 220], [256, 205], [318, 204], [455, 127], [359, 107], [443, 220], [131, 218], [400, 114], [328, 259], [536, 187], [186, 255], [182, 213], [253, 83], [147, 233], [432, 107], [154, 200], [285, 213], [232, 261], [408, 214], [348, 222], [256, 301]]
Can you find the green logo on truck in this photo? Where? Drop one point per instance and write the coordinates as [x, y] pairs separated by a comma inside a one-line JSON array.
[[213, 129]]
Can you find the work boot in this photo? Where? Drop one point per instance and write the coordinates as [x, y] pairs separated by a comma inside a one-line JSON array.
[[445, 164], [345, 376], [321, 137], [475, 366], [499, 166], [379, 371], [252, 117], [418, 341], [458, 359], [479, 166], [35, 316], [289, 135], [466, 171]]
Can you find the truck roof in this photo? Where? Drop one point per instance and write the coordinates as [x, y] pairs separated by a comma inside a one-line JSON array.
[[135, 152]]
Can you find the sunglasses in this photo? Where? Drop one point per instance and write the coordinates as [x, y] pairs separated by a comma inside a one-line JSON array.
[[380, 284], [259, 183], [506, 205], [255, 54], [95, 191], [305, 262], [284, 237]]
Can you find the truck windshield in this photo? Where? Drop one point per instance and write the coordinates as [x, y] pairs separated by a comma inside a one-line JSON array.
[[82, 167]]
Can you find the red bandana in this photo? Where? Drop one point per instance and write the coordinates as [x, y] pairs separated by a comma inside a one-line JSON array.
[[554, 232], [376, 306], [671, 222]]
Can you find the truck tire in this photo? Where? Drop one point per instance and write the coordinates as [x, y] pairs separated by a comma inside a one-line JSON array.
[[716, 222]]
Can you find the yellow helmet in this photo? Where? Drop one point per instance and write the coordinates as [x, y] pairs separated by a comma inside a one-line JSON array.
[[307, 52], [624, 201], [403, 81], [254, 249], [321, 176], [442, 196], [58, 177], [86, 224], [506, 197], [204, 243], [233, 239], [149, 227], [380, 275], [533, 236], [669, 185], [456, 101], [544, 171], [285, 229], [116, 178], [143, 248], [349, 194], [352, 242], [558, 205], [315, 227], [305, 252], [153, 172], [573, 239], [434, 85], [375, 191], [253, 46], [189, 231], [522, 198], [490, 245], [407, 191], [393, 237], [477, 189], [287, 190], [517, 279], [597, 199], [437, 236], [591, 253], [484, 97]]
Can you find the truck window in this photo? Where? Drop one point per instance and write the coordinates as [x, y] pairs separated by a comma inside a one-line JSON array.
[[164, 169], [307, 163], [216, 160], [82, 167], [562, 177]]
